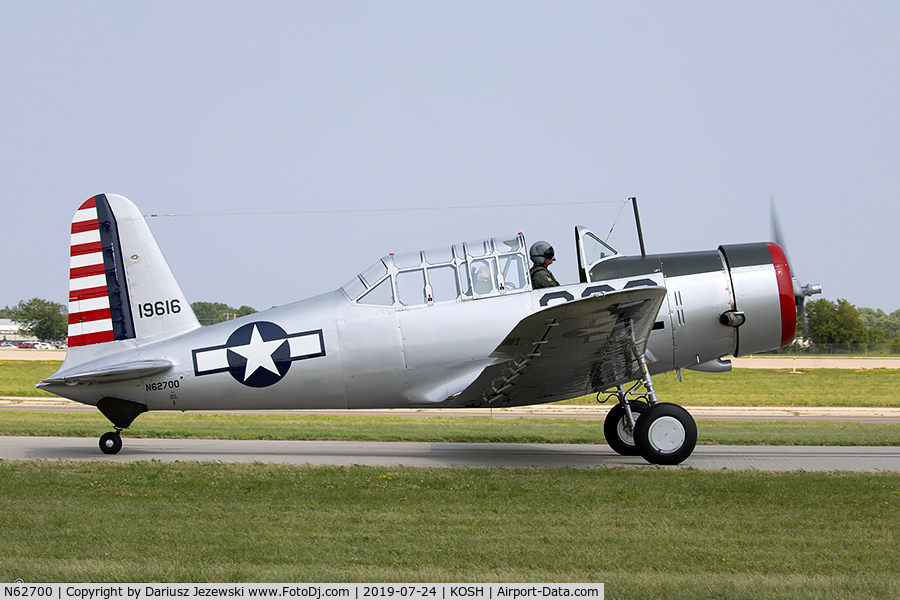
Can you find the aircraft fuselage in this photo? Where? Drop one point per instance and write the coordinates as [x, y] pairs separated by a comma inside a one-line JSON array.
[[336, 354]]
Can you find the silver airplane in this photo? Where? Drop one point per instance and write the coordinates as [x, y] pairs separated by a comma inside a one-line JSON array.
[[460, 326]]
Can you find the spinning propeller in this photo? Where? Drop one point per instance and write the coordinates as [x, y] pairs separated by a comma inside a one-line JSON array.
[[801, 292]]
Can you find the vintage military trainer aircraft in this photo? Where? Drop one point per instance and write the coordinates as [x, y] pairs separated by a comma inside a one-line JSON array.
[[460, 326]]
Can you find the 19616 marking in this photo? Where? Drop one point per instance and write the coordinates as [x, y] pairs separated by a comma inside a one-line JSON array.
[[159, 308]]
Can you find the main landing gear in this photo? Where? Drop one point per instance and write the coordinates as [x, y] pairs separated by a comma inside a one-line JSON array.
[[661, 432]]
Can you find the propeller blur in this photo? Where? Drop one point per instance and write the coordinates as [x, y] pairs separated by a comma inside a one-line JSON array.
[[801, 291]]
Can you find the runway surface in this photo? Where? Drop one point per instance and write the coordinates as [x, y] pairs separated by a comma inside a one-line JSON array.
[[596, 412], [416, 454]]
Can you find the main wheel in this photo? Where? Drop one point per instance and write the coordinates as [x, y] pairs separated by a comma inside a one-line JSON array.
[[111, 443], [615, 428], [666, 434]]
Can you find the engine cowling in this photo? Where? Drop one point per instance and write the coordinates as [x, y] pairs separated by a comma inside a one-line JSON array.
[[764, 294], [735, 300]]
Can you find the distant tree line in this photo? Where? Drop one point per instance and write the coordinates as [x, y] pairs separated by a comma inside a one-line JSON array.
[[842, 323], [49, 321], [209, 313]]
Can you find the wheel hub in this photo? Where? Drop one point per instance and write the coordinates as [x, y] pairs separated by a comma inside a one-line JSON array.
[[666, 434], [626, 433]]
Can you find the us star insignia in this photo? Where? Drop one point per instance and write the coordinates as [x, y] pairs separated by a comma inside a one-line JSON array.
[[258, 354]]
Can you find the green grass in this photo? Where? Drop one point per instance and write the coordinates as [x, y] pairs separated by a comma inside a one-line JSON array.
[[17, 377], [644, 532], [741, 387], [772, 387], [435, 429]]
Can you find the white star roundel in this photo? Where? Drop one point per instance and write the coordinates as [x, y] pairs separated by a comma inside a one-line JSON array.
[[258, 354]]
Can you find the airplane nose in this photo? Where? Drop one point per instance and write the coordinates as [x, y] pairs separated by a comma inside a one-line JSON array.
[[764, 293]]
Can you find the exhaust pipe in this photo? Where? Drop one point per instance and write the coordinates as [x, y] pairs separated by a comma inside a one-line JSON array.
[[732, 318]]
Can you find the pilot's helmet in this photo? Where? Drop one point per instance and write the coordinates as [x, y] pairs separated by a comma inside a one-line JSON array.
[[540, 251]]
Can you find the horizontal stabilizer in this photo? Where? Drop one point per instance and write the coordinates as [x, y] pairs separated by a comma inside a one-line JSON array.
[[120, 372]]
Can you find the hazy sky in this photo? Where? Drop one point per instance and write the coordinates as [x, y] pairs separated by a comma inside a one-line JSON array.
[[272, 127]]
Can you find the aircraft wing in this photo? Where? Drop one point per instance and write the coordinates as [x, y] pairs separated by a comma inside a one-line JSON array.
[[569, 350], [122, 371]]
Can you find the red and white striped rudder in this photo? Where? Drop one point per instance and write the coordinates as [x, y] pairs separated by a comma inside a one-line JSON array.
[[120, 287]]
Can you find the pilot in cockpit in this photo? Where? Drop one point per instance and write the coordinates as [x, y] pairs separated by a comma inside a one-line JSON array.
[[542, 256], [482, 277]]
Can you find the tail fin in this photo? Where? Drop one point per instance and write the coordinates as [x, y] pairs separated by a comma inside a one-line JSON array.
[[121, 290]]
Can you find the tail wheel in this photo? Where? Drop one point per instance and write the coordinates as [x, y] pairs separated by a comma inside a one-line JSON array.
[[666, 434], [111, 443], [616, 430]]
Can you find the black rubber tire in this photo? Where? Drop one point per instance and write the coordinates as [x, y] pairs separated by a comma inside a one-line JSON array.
[[616, 437], [666, 434], [111, 443]]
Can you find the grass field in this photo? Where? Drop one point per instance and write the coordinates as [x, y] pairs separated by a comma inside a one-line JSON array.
[[434, 429], [646, 533], [741, 387], [770, 387], [17, 377]]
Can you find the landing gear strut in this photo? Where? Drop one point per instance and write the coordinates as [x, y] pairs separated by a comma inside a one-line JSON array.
[[661, 432], [618, 428]]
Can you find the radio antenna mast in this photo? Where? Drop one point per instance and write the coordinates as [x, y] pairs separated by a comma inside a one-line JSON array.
[[637, 221]]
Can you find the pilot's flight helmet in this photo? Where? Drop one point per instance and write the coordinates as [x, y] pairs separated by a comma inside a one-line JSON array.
[[540, 251]]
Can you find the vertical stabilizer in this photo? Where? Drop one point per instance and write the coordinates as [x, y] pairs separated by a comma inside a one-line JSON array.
[[121, 290]]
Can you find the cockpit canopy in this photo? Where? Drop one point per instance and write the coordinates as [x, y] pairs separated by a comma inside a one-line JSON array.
[[460, 272], [591, 251]]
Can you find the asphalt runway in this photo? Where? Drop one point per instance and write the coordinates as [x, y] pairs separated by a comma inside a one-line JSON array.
[[418, 454], [594, 412]]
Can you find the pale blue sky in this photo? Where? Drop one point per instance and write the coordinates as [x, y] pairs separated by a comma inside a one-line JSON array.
[[703, 110]]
